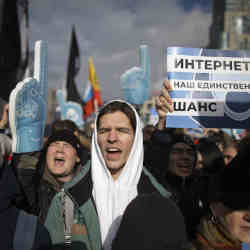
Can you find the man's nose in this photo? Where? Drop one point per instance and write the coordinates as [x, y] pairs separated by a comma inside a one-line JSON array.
[[59, 148], [112, 137]]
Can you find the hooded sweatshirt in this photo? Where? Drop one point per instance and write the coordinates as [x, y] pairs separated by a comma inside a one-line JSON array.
[[112, 196]]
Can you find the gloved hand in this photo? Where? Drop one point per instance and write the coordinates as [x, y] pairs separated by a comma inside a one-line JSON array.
[[70, 110], [28, 105], [135, 81]]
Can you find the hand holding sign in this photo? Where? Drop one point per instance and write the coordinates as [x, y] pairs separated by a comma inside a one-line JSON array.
[[28, 105], [135, 81], [70, 110], [164, 104]]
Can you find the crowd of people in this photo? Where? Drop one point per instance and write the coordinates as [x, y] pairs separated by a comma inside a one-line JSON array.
[[126, 186]]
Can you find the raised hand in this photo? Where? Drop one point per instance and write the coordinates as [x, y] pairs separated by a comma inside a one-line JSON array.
[[135, 81], [28, 105], [164, 104], [70, 110], [5, 117]]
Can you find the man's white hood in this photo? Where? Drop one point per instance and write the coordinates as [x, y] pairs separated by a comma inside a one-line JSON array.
[[112, 197]]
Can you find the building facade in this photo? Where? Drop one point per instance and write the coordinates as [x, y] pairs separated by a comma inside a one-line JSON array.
[[230, 27]]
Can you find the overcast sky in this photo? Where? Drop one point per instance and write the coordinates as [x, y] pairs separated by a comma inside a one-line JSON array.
[[112, 30]]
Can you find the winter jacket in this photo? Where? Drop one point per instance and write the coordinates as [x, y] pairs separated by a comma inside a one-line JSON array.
[[86, 228], [185, 191], [98, 199], [185, 194], [39, 187], [10, 216]]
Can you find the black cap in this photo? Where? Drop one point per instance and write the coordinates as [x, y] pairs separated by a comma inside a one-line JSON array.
[[164, 141], [232, 186], [168, 139], [67, 136]]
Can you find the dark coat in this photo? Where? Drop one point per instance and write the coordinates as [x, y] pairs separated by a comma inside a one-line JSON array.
[[9, 190], [38, 189], [38, 185], [187, 196], [85, 214], [185, 192]]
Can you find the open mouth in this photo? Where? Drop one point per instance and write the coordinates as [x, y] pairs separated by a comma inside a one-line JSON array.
[[59, 161], [185, 165], [186, 168], [113, 153]]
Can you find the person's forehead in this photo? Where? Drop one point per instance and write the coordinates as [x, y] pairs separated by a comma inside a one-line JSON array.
[[230, 149], [62, 142], [117, 117]]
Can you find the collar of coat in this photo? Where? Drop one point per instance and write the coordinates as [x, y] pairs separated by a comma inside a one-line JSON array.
[[80, 189]]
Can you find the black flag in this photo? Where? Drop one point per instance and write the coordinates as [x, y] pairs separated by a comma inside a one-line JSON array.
[[23, 17], [73, 69], [10, 43]]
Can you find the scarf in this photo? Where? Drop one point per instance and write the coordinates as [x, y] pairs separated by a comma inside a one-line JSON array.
[[112, 196], [214, 236]]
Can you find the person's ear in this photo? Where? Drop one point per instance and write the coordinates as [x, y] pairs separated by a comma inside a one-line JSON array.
[[76, 133], [77, 159]]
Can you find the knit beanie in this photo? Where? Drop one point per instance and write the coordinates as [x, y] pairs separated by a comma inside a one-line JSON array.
[[66, 136]]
